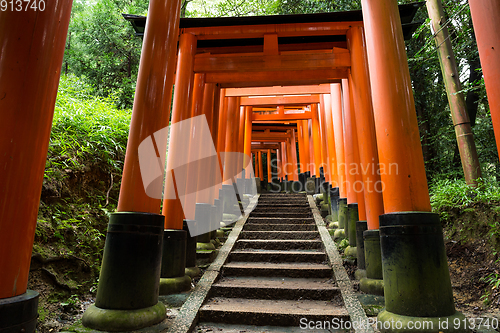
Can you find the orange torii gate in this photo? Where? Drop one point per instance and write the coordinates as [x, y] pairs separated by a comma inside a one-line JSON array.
[[279, 51]]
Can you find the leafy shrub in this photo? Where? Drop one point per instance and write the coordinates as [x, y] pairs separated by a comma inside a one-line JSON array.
[[455, 193], [87, 130]]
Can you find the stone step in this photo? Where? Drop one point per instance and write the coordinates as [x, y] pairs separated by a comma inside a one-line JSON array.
[[277, 256], [273, 288], [275, 220], [293, 270], [276, 313], [279, 227], [279, 235], [280, 214], [279, 244]]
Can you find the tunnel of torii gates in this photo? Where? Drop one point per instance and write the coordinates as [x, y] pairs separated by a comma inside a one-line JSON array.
[[336, 83]]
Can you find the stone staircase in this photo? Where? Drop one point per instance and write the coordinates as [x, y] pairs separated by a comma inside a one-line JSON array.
[[277, 276]]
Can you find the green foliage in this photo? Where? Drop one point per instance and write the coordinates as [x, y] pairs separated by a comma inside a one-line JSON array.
[[455, 193], [102, 47], [87, 131]]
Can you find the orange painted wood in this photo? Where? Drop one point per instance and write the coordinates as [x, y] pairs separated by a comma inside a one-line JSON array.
[[398, 139], [293, 147], [153, 97], [261, 168], [330, 137], [181, 110], [282, 100], [357, 185], [282, 30], [307, 150], [232, 124], [271, 78], [324, 141], [302, 154], [279, 90], [281, 118], [336, 100], [485, 14], [350, 164], [248, 135], [260, 63], [316, 138], [32, 44], [365, 124]]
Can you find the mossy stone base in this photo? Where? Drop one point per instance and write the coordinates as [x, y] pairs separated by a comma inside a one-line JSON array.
[[391, 322], [219, 233], [334, 225], [193, 272], [169, 286], [372, 286], [351, 251], [204, 246], [359, 274], [328, 218], [123, 320], [339, 234]]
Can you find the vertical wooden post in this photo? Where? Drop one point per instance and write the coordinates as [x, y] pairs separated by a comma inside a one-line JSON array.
[[293, 148], [307, 150], [330, 136], [32, 44], [361, 95], [248, 135], [231, 146], [485, 14], [300, 134], [336, 98], [261, 168], [269, 173], [405, 193], [316, 136], [456, 101], [324, 140], [349, 131], [172, 208]]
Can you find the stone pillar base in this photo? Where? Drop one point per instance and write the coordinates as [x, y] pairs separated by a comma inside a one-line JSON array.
[[19, 313], [123, 320]]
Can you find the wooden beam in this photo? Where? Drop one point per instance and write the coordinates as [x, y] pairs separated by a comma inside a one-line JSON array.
[[282, 100], [257, 136], [258, 62], [261, 145], [281, 117], [282, 30], [260, 79], [279, 90]]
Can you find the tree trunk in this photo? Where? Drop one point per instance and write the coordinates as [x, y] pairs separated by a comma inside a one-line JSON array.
[[465, 139]]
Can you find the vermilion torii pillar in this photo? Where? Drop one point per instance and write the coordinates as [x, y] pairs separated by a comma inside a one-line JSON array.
[[119, 293], [485, 15], [181, 108], [269, 173], [363, 109], [316, 138], [293, 149], [417, 284], [231, 146], [324, 140], [248, 136], [336, 100], [260, 166], [307, 155], [332, 157], [32, 44], [241, 140]]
